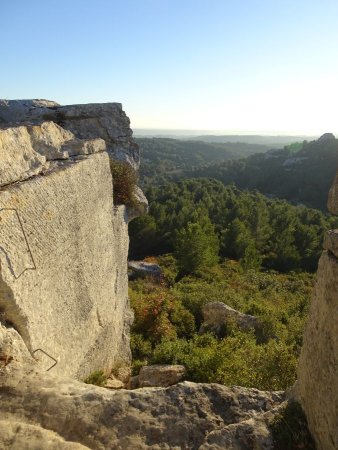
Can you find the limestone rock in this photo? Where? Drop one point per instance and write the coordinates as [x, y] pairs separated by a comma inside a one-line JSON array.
[[161, 375], [147, 418], [23, 436], [89, 121], [54, 142], [217, 315], [331, 242], [63, 278], [24, 151], [18, 159], [13, 112], [114, 383], [332, 203], [140, 205], [144, 268], [317, 369]]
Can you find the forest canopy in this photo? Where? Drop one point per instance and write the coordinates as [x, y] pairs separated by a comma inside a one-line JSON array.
[[251, 228]]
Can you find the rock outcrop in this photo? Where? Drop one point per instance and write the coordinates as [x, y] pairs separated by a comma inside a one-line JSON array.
[[317, 385], [63, 245], [72, 415], [217, 316], [162, 375], [90, 121], [144, 268]]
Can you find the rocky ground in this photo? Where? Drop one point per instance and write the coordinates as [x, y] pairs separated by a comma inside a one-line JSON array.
[[39, 410]]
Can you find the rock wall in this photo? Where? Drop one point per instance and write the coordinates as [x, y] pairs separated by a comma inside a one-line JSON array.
[[63, 248], [317, 385]]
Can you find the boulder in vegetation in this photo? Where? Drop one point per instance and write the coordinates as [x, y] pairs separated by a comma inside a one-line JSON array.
[[144, 268], [161, 375], [218, 316]]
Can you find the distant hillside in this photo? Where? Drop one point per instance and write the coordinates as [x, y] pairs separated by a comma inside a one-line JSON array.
[[165, 159], [269, 141], [301, 173]]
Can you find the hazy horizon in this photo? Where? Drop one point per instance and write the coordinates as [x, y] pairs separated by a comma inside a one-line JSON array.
[[202, 132]]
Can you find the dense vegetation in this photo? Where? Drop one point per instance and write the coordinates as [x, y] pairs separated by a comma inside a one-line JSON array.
[[165, 159], [300, 173], [216, 242], [248, 227], [168, 315]]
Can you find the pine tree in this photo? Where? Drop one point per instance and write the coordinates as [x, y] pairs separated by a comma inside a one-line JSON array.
[[196, 246]]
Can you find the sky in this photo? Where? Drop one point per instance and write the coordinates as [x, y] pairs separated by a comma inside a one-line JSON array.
[[240, 66]]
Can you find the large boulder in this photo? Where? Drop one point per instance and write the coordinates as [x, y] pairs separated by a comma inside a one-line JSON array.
[[161, 375], [217, 316]]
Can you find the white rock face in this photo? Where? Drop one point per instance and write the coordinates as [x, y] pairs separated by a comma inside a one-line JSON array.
[[317, 371], [18, 159], [89, 121], [64, 266], [63, 250]]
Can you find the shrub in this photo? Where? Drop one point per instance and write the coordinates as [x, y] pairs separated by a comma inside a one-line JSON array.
[[124, 183], [98, 378]]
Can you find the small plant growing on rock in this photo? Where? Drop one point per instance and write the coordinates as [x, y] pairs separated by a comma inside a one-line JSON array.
[[124, 183], [98, 378]]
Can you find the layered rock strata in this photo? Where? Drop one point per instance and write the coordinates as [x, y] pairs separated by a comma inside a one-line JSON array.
[[63, 250], [317, 385]]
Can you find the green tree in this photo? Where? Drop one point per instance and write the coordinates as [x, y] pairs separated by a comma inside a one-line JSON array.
[[196, 246]]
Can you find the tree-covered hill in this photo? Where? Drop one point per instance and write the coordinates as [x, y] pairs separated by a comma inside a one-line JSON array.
[[249, 227], [166, 159], [300, 173]]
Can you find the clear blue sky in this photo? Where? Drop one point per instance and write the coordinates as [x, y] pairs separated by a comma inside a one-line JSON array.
[[235, 65]]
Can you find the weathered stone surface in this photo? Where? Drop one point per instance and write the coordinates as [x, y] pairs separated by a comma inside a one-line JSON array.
[[114, 383], [63, 279], [186, 415], [332, 203], [140, 206], [54, 142], [89, 121], [18, 159], [144, 268], [23, 436], [331, 242], [317, 370], [317, 385], [161, 375], [14, 112], [217, 315], [24, 151]]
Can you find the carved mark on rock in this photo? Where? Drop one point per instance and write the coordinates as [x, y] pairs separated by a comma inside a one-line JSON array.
[[10, 221]]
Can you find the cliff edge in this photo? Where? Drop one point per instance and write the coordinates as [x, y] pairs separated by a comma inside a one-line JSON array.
[[63, 243]]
